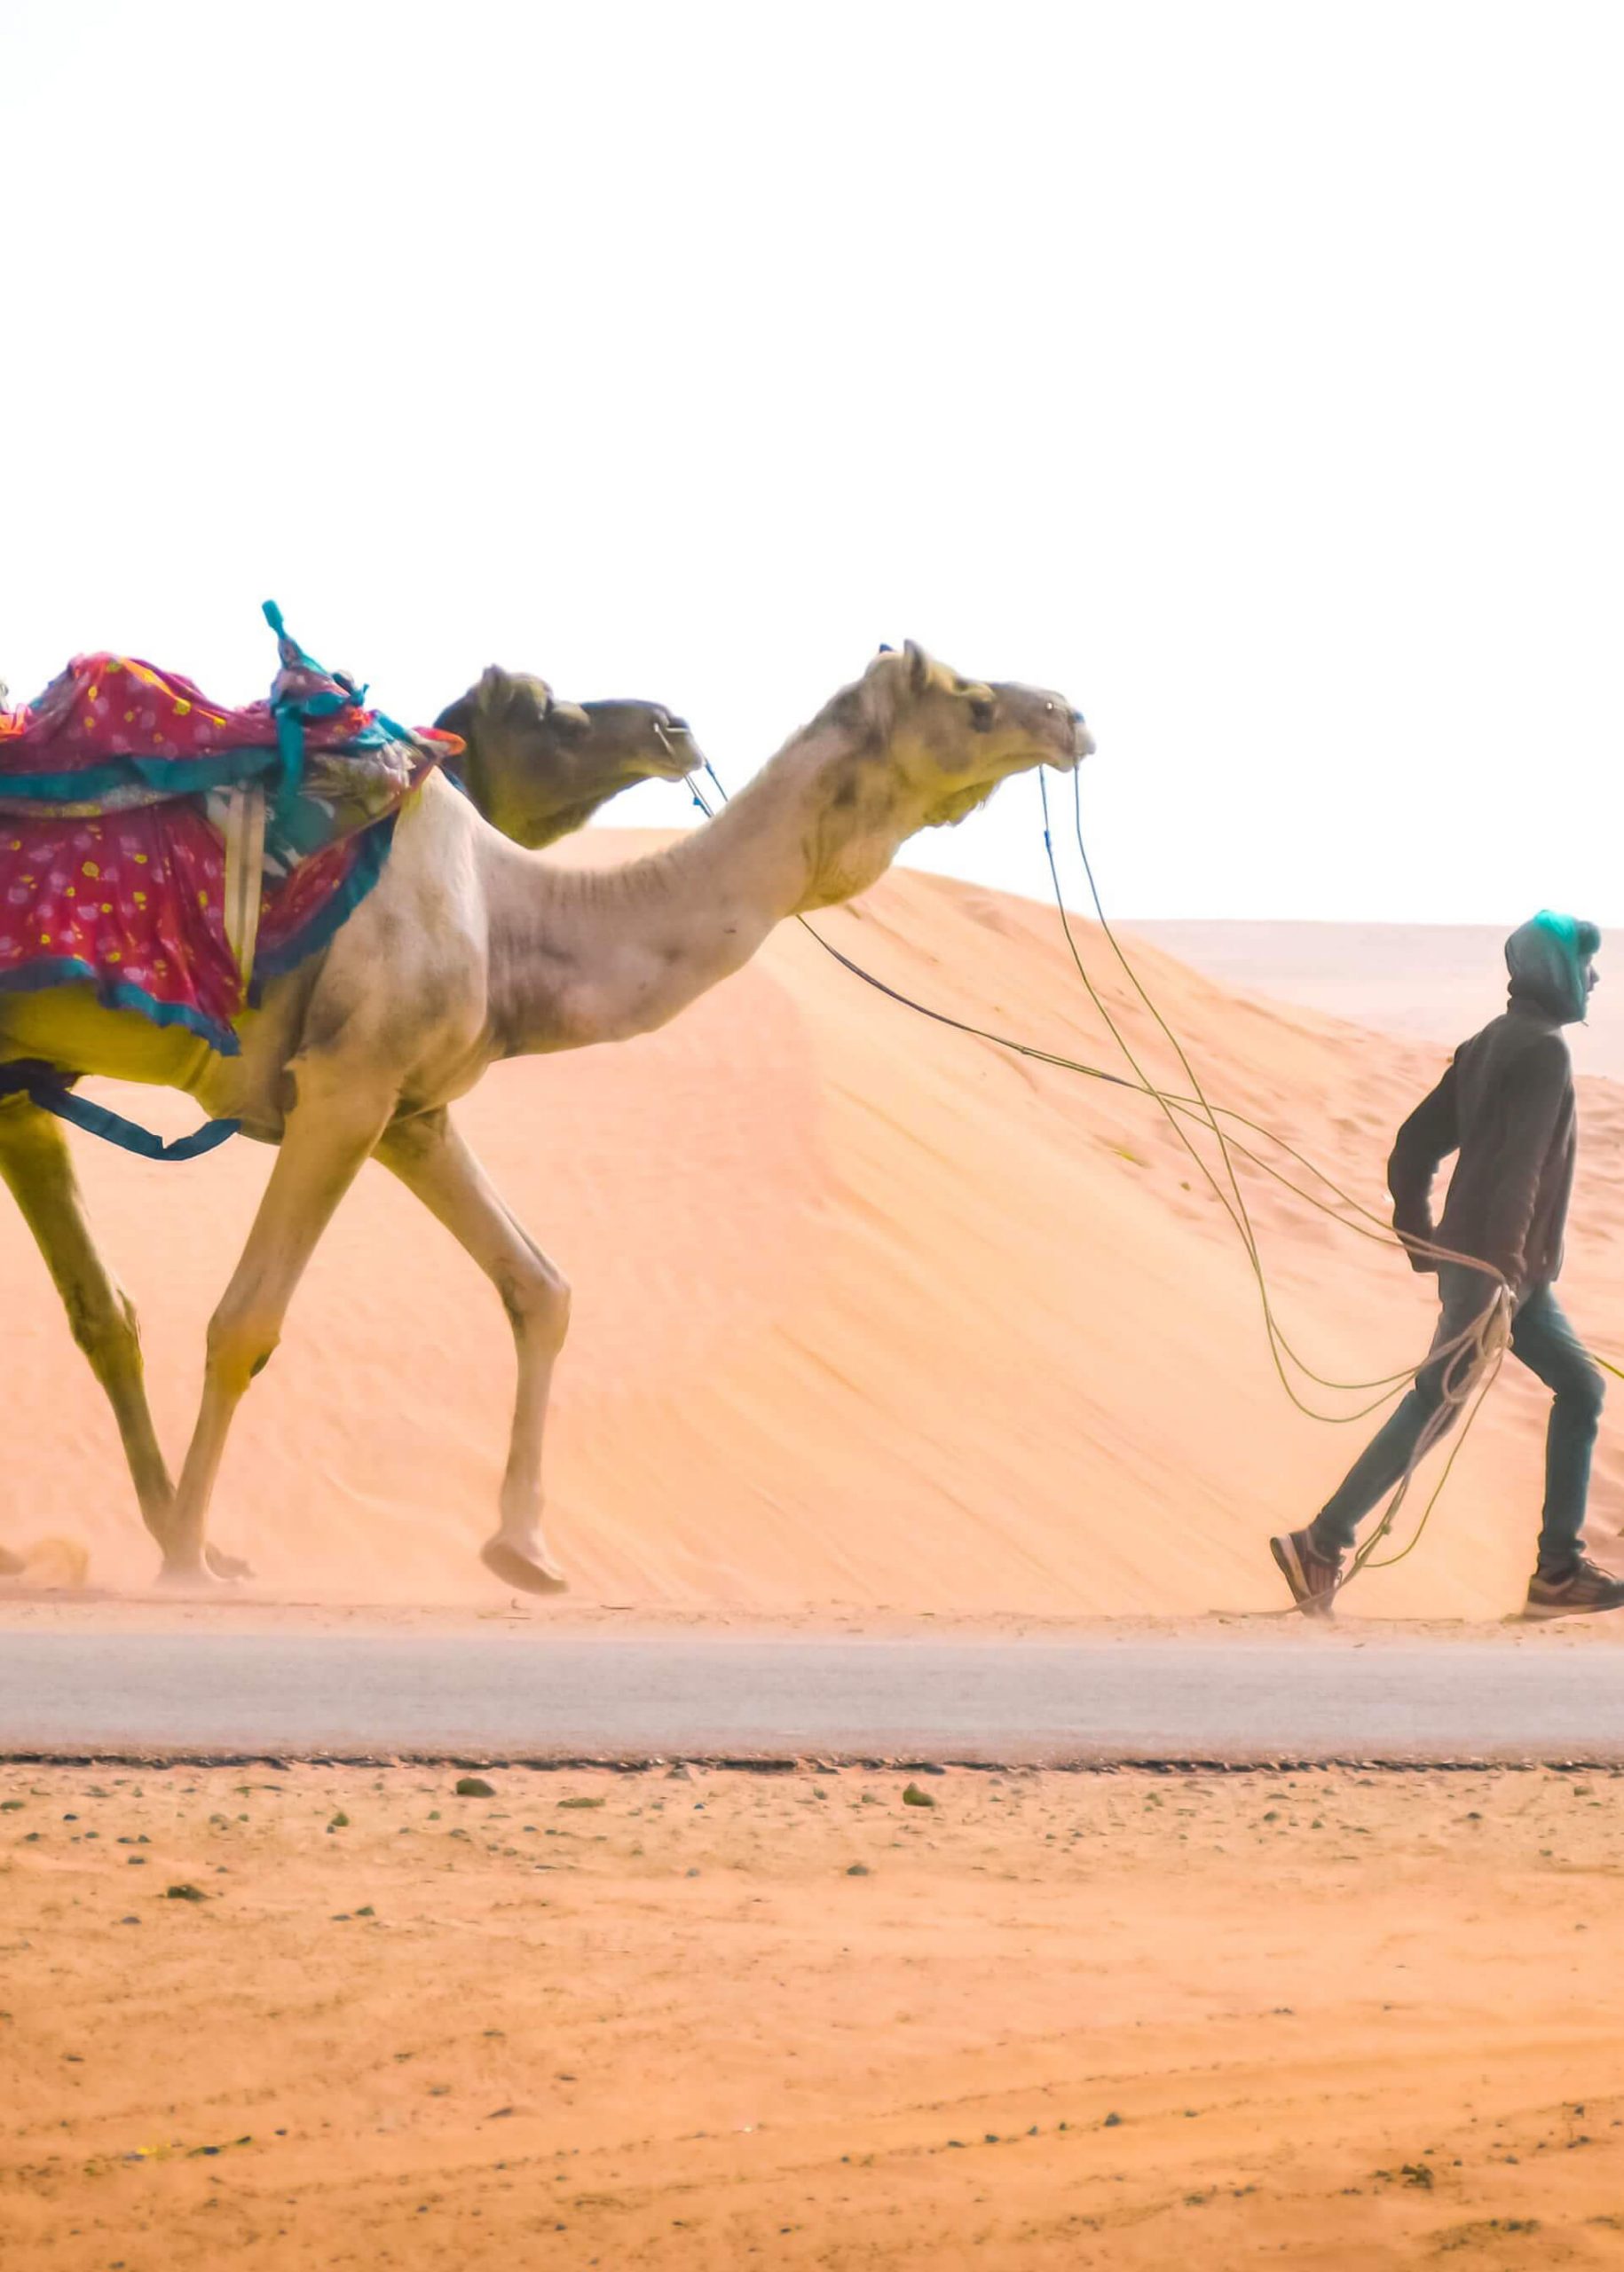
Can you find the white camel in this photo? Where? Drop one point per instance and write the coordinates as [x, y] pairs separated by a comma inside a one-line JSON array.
[[469, 949]]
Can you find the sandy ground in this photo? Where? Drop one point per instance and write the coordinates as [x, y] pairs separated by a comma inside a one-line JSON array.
[[77, 1610], [869, 1317], [677, 2018], [876, 1331]]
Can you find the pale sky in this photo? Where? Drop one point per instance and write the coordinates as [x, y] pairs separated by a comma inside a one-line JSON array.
[[1253, 373]]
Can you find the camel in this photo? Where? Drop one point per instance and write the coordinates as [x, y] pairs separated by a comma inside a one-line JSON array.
[[538, 768], [469, 949]]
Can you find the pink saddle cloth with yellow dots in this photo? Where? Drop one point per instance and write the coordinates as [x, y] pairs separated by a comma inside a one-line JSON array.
[[112, 859]]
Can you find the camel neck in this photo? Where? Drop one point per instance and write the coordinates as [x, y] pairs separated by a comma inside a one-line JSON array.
[[599, 955]]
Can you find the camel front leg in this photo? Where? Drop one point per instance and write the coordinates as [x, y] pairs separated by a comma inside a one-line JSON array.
[[432, 1160], [38, 1167], [331, 1130]]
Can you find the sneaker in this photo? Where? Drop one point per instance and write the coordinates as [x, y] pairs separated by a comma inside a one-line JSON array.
[[1586, 1588], [1312, 1577]]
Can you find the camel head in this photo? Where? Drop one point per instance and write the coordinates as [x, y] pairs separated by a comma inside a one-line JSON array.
[[920, 746], [538, 768]]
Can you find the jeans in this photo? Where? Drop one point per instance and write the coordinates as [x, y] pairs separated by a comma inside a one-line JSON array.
[[1542, 1339]]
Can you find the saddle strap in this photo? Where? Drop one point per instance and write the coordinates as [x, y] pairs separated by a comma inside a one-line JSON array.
[[52, 1090], [244, 830]]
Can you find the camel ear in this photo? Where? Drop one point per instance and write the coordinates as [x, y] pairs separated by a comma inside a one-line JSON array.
[[517, 702], [919, 666], [491, 694]]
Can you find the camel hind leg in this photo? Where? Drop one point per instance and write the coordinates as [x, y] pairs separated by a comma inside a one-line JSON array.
[[36, 1166], [430, 1158]]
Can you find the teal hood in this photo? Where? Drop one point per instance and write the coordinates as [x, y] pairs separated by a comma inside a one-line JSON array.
[[1549, 963]]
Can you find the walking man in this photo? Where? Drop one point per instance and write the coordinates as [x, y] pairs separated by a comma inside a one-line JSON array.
[[1506, 1105]]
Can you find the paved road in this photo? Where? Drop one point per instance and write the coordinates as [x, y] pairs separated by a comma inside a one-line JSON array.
[[539, 1695]]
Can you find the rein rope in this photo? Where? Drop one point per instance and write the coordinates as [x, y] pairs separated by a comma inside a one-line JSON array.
[[1470, 1360]]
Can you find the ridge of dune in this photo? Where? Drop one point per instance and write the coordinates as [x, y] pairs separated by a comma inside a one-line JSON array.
[[868, 1313], [1432, 982]]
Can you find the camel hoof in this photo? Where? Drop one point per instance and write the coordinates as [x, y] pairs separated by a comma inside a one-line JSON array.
[[231, 1567], [518, 1570], [188, 1578]]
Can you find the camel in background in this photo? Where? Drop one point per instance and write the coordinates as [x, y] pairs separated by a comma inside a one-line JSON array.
[[538, 768], [469, 949]]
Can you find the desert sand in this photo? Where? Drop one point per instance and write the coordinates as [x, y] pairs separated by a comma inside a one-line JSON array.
[[684, 2019], [876, 1328], [870, 1317]]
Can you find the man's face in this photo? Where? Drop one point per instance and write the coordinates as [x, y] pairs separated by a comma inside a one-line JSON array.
[[1593, 979]]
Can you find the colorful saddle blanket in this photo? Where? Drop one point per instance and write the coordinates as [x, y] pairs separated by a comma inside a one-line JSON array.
[[111, 860]]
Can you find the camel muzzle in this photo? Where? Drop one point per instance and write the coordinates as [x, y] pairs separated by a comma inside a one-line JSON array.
[[676, 739], [1082, 746]]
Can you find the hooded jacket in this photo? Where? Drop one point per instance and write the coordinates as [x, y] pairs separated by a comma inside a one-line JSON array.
[[1506, 1105]]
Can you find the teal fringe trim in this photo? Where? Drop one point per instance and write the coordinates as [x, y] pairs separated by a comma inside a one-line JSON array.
[[116, 994], [175, 776], [371, 856]]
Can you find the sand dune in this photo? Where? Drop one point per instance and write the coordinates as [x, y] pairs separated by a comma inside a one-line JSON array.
[[868, 1313], [1432, 981]]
